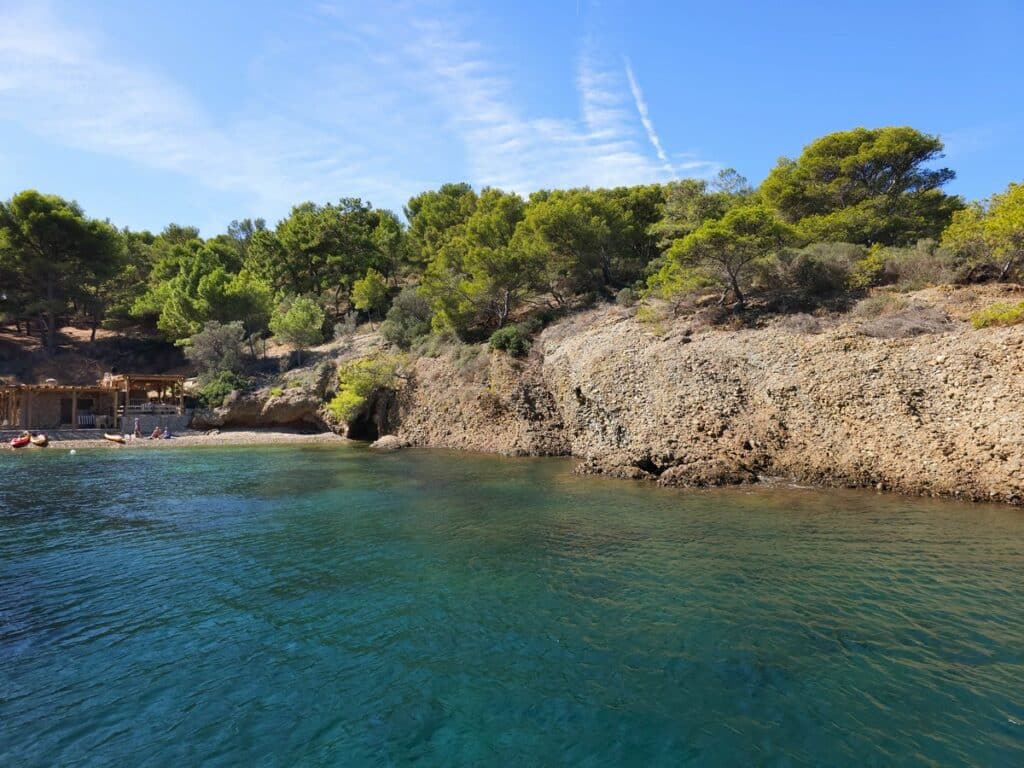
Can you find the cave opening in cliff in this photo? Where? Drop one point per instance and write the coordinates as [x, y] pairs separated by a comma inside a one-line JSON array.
[[363, 427], [374, 419]]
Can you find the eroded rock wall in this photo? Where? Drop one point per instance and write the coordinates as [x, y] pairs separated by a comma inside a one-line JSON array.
[[936, 414], [491, 403]]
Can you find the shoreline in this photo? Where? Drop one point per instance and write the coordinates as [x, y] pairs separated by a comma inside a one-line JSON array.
[[239, 437], [195, 439]]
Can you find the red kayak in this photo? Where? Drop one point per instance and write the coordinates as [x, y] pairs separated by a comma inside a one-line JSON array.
[[21, 442]]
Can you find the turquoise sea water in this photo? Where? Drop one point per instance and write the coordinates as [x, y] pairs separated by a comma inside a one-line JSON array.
[[326, 606]]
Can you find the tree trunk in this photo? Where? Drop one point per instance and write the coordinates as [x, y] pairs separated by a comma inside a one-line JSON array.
[[740, 303], [51, 329]]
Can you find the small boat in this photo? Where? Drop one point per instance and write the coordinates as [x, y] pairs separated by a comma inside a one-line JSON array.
[[41, 440], [21, 442], [113, 438]]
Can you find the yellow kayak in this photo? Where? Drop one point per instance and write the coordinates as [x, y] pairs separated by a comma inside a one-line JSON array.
[[41, 440]]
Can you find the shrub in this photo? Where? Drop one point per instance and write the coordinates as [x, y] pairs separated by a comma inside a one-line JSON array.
[[810, 275], [654, 315], [469, 359], [867, 272], [360, 379], [213, 393], [1002, 313], [914, 320], [216, 349], [911, 269], [433, 344], [802, 323], [347, 327], [512, 339], [674, 282], [276, 391], [626, 297], [408, 319], [370, 293], [880, 304]]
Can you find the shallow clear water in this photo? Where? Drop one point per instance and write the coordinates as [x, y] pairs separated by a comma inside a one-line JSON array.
[[325, 606]]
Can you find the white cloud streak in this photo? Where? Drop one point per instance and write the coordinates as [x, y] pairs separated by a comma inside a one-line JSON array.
[[378, 116], [508, 148], [66, 86], [645, 117]]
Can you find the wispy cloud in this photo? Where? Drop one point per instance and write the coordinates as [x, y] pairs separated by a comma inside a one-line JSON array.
[[645, 116], [398, 99], [506, 146], [66, 86]]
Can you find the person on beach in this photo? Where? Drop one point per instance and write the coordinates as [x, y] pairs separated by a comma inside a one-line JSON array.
[[158, 432], [138, 429]]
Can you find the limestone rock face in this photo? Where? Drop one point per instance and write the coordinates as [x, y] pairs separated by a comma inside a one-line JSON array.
[[937, 414], [491, 403], [260, 409]]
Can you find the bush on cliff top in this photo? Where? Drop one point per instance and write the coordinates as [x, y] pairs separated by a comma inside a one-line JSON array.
[[1002, 313], [358, 380], [511, 339], [214, 392]]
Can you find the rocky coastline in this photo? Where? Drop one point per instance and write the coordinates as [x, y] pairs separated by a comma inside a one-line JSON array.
[[939, 414]]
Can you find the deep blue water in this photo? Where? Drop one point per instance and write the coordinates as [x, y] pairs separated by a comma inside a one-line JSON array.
[[326, 606]]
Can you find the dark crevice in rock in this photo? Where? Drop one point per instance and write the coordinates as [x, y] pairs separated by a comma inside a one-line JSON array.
[[375, 419]]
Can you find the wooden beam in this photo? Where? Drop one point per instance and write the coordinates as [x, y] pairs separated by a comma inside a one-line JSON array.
[[74, 409]]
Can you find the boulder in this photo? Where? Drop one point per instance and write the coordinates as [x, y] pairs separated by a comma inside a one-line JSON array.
[[388, 443]]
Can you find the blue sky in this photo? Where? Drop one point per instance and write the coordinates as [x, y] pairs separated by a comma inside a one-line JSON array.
[[201, 112]]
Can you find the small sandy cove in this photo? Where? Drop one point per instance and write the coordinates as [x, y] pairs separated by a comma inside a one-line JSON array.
[[67, 439]]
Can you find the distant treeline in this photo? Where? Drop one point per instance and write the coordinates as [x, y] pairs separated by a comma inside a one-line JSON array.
[[857, 209]]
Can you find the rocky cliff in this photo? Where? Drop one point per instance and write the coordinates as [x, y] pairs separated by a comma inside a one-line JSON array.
[[941, 413]]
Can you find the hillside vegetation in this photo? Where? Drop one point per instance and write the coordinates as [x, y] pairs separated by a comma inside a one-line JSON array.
[[856, 211]]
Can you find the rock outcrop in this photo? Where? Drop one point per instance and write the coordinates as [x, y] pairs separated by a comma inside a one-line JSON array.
[[388, 443], [297, 406], [488, 402], [937, 414]]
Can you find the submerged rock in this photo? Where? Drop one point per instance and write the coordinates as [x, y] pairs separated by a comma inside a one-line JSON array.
[[388, 443]]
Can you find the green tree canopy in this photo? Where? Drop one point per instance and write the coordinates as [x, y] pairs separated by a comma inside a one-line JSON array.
[[865, 186], [476, 278], [188, 286], [691, 202], [991, 233], [51, 254], [435, 217], [729, 247], [298, 322], [321, 250], [370, 293], [587, 240]]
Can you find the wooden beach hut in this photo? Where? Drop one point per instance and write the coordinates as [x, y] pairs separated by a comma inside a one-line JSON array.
[[111, 403]]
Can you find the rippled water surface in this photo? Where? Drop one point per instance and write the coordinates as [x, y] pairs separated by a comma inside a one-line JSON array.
[[325, 606]]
